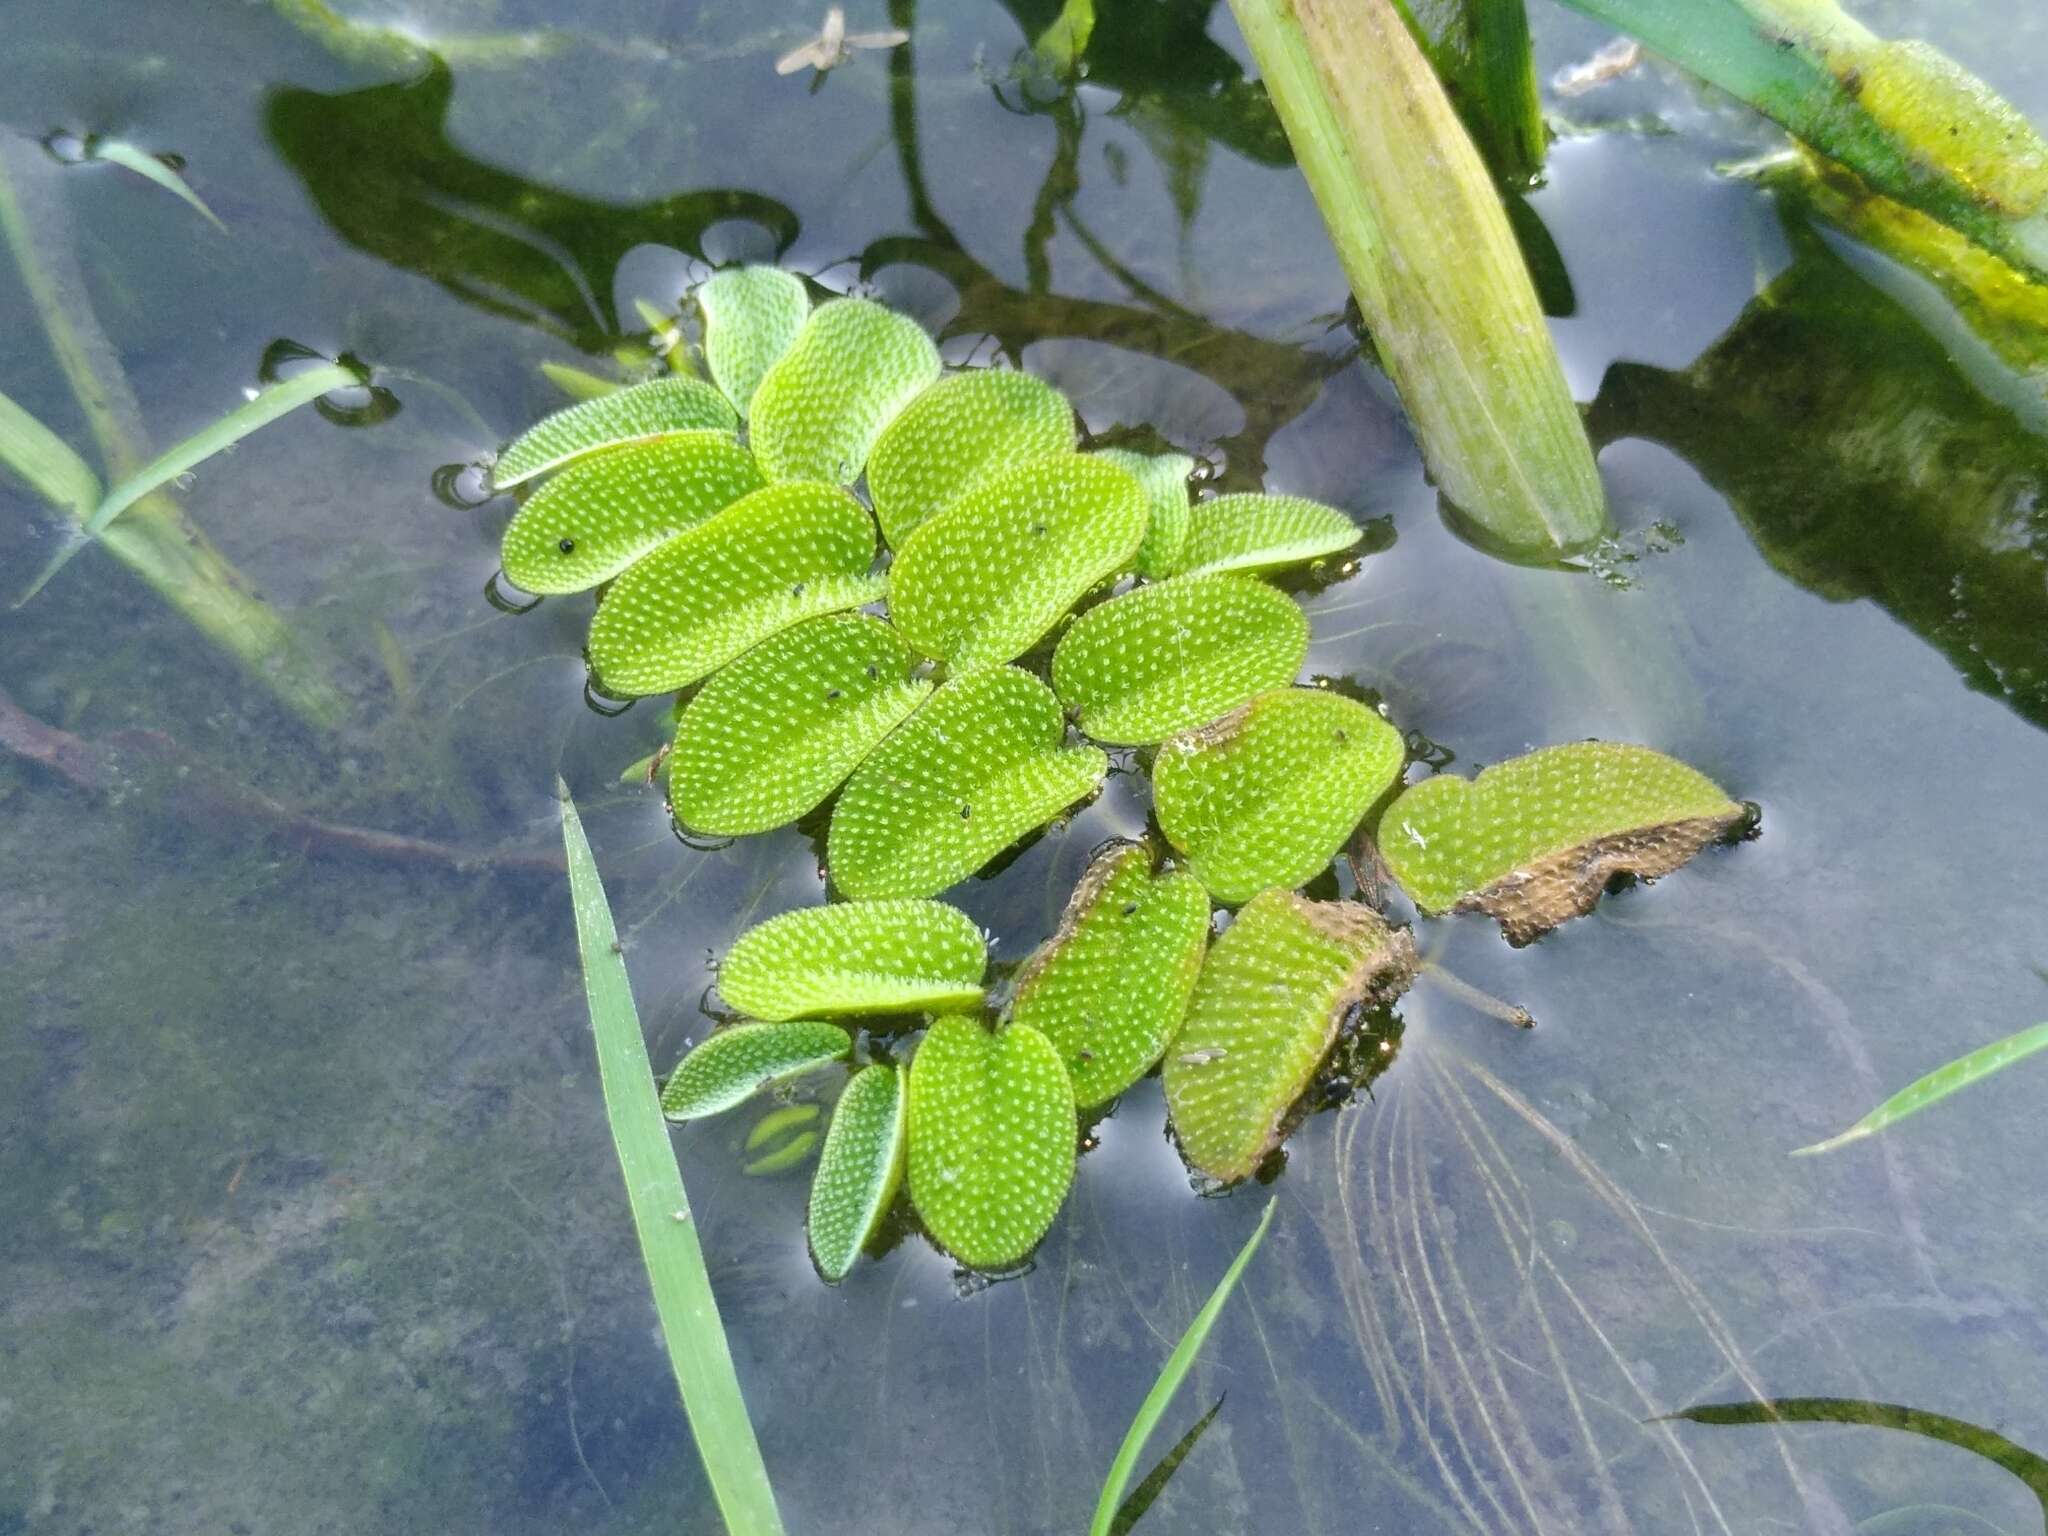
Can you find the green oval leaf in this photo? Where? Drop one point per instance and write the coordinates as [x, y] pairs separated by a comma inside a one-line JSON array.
[[853, 366], [1534, 841], [978, 584], [895, 956], [958, 432], [1268, 1007], [1164, 477], [1110, 988], [651, 410], [1176, 654], [780, 1140], [992, 1135], [732, 1064], [751, 316], [1253, 532], [770, 736], [784, 554], [980, 764], [1268, 794], [859, 1170], [605, 511]]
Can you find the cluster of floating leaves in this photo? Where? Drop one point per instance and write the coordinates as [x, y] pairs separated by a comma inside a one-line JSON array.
[[732, 525]]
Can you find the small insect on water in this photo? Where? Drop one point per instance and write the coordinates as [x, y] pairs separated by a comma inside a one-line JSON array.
[[834, 45]]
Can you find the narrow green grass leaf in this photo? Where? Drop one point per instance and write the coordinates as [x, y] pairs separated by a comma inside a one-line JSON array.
[[153, 168], [855, 957], [1253, 533], [1173, 655], [851, 369], [46, 462], [732, 1064], [1142, 1497], [980, 583], [784, 554], [683, 1299], [1268, 794], [860, 1169], [992, 1139], [1925, 1092], [1164, 477], [771, 735], [579, 383], [957, 433], [635, 414], [751, 316], [979, 765], [1171, 1375]]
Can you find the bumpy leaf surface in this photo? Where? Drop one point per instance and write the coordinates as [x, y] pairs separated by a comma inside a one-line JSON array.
[[605, 511], [1165, 479], [1268, 794], [980, 764], [992, 1135], [1268, 1006], [1176, 654], [818, 411], [957, 433], [1534, 840], [1254, 532], [770, 736], [751, 316], [784, 554], [730, 1065], [894, 956], [651, 410], [1111, 987], [978, 584], [859, 1170]]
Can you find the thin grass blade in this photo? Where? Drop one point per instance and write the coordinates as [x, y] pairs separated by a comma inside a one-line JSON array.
[[43, 459], [1937, 1085], [1142, 1497], [152, 168]]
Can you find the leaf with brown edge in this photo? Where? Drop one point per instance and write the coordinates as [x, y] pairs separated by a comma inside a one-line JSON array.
[[958, 433], [1268, 1007], [657, 409]]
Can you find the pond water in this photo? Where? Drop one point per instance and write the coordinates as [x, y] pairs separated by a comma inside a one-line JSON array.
[[309, 1218]]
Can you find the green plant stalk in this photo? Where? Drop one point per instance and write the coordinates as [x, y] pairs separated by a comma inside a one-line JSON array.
[[1482, 53], [1425, 243], [661, 1211], [48, 463]]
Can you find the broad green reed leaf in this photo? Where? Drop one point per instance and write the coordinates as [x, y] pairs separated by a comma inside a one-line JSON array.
[[751, 316], [784, 554], [683, 1298], [771, 735], [1109, 1508], [857, 957], [1926, 1092], [957, 433], [860, 1169], [1173, 655], [732, 1064], [992, 1139], [153, 168], [634, 414], [1268, 794], [1164, 477], [851, 369], [608, 509], [1251, 533], [49, 465], [981, 763]]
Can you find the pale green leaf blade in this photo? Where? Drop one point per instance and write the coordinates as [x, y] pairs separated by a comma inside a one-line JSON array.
[[981, 582], [734, 1063], [1111, 987], [1534, 841], [751, 316], [1268, 1007], [608, 509], [772, 734], [579, 383], [152, 168], [857, 957], [1925, 1092], [635, 414], [860, 1169], [992, 1139], [770, 560], [957, 433], [852, 368], [1165, 479], [977, 767], [51, 467], [1251, 533], [1268, 794], [1173, 655]]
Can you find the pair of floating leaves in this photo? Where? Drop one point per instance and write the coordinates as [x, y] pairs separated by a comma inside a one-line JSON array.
[[774, 733], [857, 957], [1164, 477], [733, 1064], [1535, 840], [1111, 986], [656, 409], [1271, 999], [751, 317], [860, 1169], [979, 765], [1267, 795], [850, 370], [959, 432]]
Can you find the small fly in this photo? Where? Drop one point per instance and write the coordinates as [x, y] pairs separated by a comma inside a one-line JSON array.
[[834, 45]]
